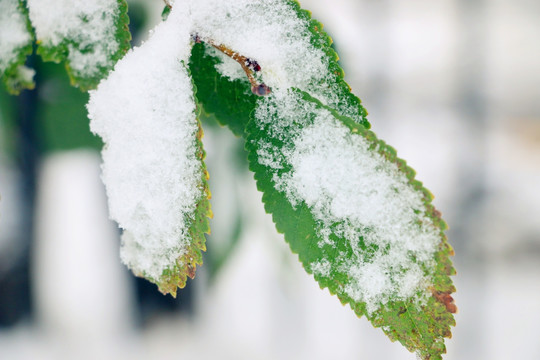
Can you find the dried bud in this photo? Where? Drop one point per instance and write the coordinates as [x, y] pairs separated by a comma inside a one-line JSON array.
[[261, 90]]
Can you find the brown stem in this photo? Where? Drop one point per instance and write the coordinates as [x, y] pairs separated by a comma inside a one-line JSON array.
[[242, 60], [247, 65]]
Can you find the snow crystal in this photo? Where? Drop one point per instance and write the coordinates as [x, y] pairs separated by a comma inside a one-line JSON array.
[[13, 32], [355, 194], [89, 24], [145, 113]]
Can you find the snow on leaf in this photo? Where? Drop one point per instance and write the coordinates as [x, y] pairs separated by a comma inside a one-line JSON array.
[[356, 217], [90, 36], [153, 168], [15, 45]]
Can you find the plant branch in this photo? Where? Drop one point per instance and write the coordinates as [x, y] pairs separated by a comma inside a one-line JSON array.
[[248, 65]]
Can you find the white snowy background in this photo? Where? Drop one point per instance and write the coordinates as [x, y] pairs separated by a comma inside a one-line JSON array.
[[454, 85]]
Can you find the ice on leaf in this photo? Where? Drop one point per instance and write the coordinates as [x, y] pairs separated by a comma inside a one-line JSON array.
[[145, 112]]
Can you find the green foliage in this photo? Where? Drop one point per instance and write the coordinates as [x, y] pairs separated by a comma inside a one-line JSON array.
[[165, 13], [19, 78], [420, 327], [216, 92], [63, 121]]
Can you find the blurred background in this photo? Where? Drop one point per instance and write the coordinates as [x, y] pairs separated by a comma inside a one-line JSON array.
[[454, 85]]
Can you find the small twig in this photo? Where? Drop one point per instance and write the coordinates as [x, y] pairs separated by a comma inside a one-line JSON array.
[[242, 60], [248, 65]]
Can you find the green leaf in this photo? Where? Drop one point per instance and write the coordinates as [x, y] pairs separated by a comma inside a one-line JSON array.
[[350, 209], [89, 43], [16, 45], [63, 121], [334, 247]]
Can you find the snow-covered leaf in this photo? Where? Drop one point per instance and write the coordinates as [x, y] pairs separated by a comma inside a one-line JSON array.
[[153, 167], [15, 45], [90, 36], [356, 217]]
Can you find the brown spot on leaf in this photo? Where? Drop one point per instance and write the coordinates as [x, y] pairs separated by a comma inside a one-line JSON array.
[[447, 300], [191, 270]]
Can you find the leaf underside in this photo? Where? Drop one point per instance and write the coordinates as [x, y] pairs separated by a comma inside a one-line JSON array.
[[420, 328]]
